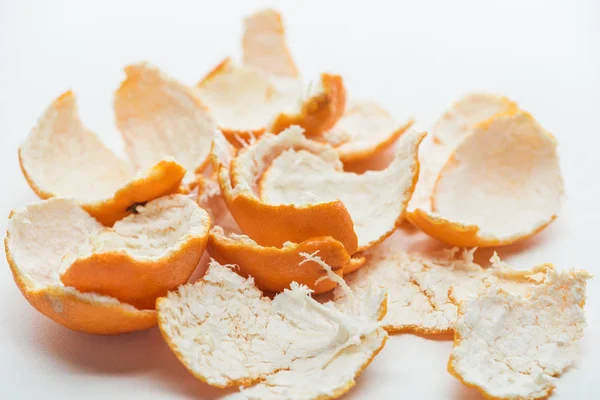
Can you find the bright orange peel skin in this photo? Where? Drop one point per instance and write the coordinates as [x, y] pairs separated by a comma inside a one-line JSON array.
[[274, 269]]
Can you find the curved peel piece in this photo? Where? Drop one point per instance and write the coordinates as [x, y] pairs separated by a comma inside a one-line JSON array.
[[264, 45], [262, 342], [143, 255], [509, 346], [512, 163], [159, 117], [274, 269], [425, 291], [364, 131], [37, 238], [273, 225], [376, 200], [62, 158], [247, 102]]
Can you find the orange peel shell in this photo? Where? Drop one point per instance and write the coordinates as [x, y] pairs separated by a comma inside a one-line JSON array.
[[274, 269]]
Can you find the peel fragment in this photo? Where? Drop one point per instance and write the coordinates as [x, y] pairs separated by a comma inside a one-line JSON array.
[[364, 131], [62, 158], [37, 238], [376, 200], [247, 102], [227, 333], [274, 269], [509, 346], [512, 163], [273, 225], [143, 255], [424, 291], [159, 117], [264, 45]]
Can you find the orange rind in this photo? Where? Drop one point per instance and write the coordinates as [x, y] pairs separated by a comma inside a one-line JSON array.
[[508, 166], [37, 238], [510, 346], [261, 344], [273, 225], [159, 117], [247, 102], [364, 131], [143, 255], [62, 158], [264, 45], [425, 290], [304, 174]]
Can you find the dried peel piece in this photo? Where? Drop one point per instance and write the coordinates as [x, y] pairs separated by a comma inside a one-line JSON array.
[[62, 158], [376, 200], [510, 167], [447, 132], [273, 225], [37, 238], [364, 131], [227, 333], [264, 45], [159, 117], [356, 262], [273, 268], [142, 256], [247, 102], [509, 346], [424, 291]]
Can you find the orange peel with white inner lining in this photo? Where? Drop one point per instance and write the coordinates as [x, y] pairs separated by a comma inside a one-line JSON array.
[[510, 346], [159, 117], [502, 183], [261, 344], [247, 102], [274, 225], [364, 131], [62, 158], [264, 45], [144, 255], [37, 238], [301, 173]]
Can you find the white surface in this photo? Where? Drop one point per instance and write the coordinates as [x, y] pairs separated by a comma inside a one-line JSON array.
[[413, 57]]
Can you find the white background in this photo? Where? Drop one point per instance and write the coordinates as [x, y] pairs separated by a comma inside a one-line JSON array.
[[415, 57]]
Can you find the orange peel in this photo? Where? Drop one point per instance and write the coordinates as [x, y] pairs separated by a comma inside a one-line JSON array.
[[510, 346], [61, 157], [264, 45], [273, 268], [260, 344], [425, 290], [37, 238], [159, 117], [143, 255], [247, 102], [364, 130], [273, 225], [510, 167], [303, 174]]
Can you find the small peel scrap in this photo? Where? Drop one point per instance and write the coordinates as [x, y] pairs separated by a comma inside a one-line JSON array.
[[376, 200], [62, 158], [247, 102], [509, 346], [264, 45], [227, 333], [159, 117], [37, 238], [273, 268], [424, 291], [273, 225], [365, 130], [508, 164], [143, 255]]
